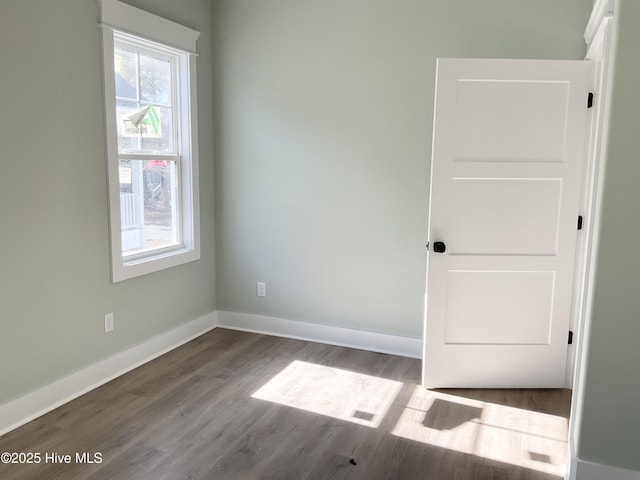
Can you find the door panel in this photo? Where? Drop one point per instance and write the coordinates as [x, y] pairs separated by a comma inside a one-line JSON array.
[[508, 154], [523, 134], [516, 307], [504, 216]]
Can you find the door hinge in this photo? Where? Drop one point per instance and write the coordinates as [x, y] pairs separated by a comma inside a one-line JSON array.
[[590, 100], [579, 222], [570, 337]]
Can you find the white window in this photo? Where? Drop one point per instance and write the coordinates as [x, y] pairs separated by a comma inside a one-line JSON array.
[[151, 130]]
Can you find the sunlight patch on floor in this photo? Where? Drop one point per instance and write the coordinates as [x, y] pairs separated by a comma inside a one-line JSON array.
[[496, 432], [333, 392]]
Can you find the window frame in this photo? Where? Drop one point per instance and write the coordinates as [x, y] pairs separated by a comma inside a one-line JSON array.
[[151, 31]]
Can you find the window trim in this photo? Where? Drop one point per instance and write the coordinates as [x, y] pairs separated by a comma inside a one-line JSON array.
[[130, 21]]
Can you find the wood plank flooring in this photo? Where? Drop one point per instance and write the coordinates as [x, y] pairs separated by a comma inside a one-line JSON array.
[[240, 406]]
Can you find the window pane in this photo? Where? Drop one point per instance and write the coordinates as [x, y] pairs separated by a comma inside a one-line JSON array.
[[128, 133], [155, 80], [147, 128], [148, 205], [157, 133], [125, 69]]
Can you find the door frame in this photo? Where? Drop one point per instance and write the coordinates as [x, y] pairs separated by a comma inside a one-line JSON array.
[[600, 35], [601, 38]]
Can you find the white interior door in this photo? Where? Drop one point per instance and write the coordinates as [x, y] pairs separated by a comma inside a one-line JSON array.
[[508, 155]]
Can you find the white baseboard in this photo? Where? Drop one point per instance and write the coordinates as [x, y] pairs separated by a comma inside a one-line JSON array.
[[24, 409], [17, 412], [340, 336], [586, 470], [596, 471]]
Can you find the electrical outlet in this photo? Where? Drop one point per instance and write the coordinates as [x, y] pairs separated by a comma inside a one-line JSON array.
[[262, 289], [108, 323]]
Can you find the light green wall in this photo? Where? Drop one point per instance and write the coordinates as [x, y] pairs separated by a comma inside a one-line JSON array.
[[54, 255], [323, 117], [610, 424]]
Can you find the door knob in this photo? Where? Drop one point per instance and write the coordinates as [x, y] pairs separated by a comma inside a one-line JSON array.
[[439, 247]]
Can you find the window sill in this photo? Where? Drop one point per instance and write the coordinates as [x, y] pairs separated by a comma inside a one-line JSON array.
[[153, 263]]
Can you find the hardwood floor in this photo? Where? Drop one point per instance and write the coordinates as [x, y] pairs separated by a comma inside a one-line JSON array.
[[241, 406]]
